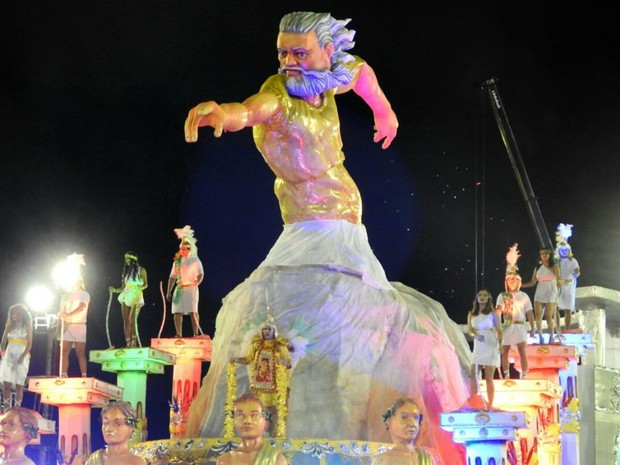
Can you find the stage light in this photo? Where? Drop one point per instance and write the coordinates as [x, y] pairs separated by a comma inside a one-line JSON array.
[[39, 299], [65, 274]]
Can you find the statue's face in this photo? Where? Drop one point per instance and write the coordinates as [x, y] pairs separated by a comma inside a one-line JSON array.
[[12, 432], [405, 423], [115, 428], [301, 51], [305, 65], [249, 420]]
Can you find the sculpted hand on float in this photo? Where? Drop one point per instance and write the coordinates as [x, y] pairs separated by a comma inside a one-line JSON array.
[[225, 117]]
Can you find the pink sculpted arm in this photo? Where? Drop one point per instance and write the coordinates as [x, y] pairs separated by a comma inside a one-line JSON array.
[[366, 85]]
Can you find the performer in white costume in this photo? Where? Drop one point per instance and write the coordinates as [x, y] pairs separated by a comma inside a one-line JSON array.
[[484, 325], [569, 272], [357, 339], [515, 306], [131, 296], [545, 278], [185, 276], [72, 318], [15, 351]]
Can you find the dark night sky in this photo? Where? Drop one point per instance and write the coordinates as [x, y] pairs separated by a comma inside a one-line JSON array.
[[93, 159]]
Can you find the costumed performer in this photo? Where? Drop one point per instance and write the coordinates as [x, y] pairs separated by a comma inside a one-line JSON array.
[[131, 296], [72, 318], [18, 426], [15, 350], [545, 277], [515, 306], [269, 360], [251, 422], [357, 337], [186, 275], [484, 325], [118, 422], [403, 420], [569, 272]]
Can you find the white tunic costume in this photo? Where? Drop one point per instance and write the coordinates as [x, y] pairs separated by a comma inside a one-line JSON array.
[[10, 370], [486, 347], [514, 310], [75, 324], [566, 300], [547, 287], [186, 272]]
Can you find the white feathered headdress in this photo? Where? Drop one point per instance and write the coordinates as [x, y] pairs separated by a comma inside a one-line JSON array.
[[563, 233], [511, 261], [186, 235]]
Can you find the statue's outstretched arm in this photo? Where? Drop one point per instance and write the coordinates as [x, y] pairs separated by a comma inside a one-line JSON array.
[[230, 116]]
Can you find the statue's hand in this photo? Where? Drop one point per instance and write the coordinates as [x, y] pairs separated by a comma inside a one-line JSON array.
[[204, 114], [385, 128]]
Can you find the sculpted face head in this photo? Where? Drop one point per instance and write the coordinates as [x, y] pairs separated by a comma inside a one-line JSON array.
[[250, 418], [312, 52], [305, 64], [17, 427], [403, 420], [118, 422]]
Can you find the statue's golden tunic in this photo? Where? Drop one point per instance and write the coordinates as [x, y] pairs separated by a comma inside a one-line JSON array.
[[303, 147]]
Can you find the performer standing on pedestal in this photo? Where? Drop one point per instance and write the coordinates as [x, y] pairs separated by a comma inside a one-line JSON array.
[[72, 318], [569, 272], [545, 278], [484, 325], [15, 350], [187, 273], [515, 306], [131, 298]]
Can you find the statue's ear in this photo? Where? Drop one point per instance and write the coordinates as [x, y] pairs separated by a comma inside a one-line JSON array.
[[329, 49]]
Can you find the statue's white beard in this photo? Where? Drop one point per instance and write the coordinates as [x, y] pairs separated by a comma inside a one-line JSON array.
[[310, 83]]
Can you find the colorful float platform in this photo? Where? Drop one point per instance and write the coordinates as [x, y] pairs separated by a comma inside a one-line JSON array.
[[566, 412]]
